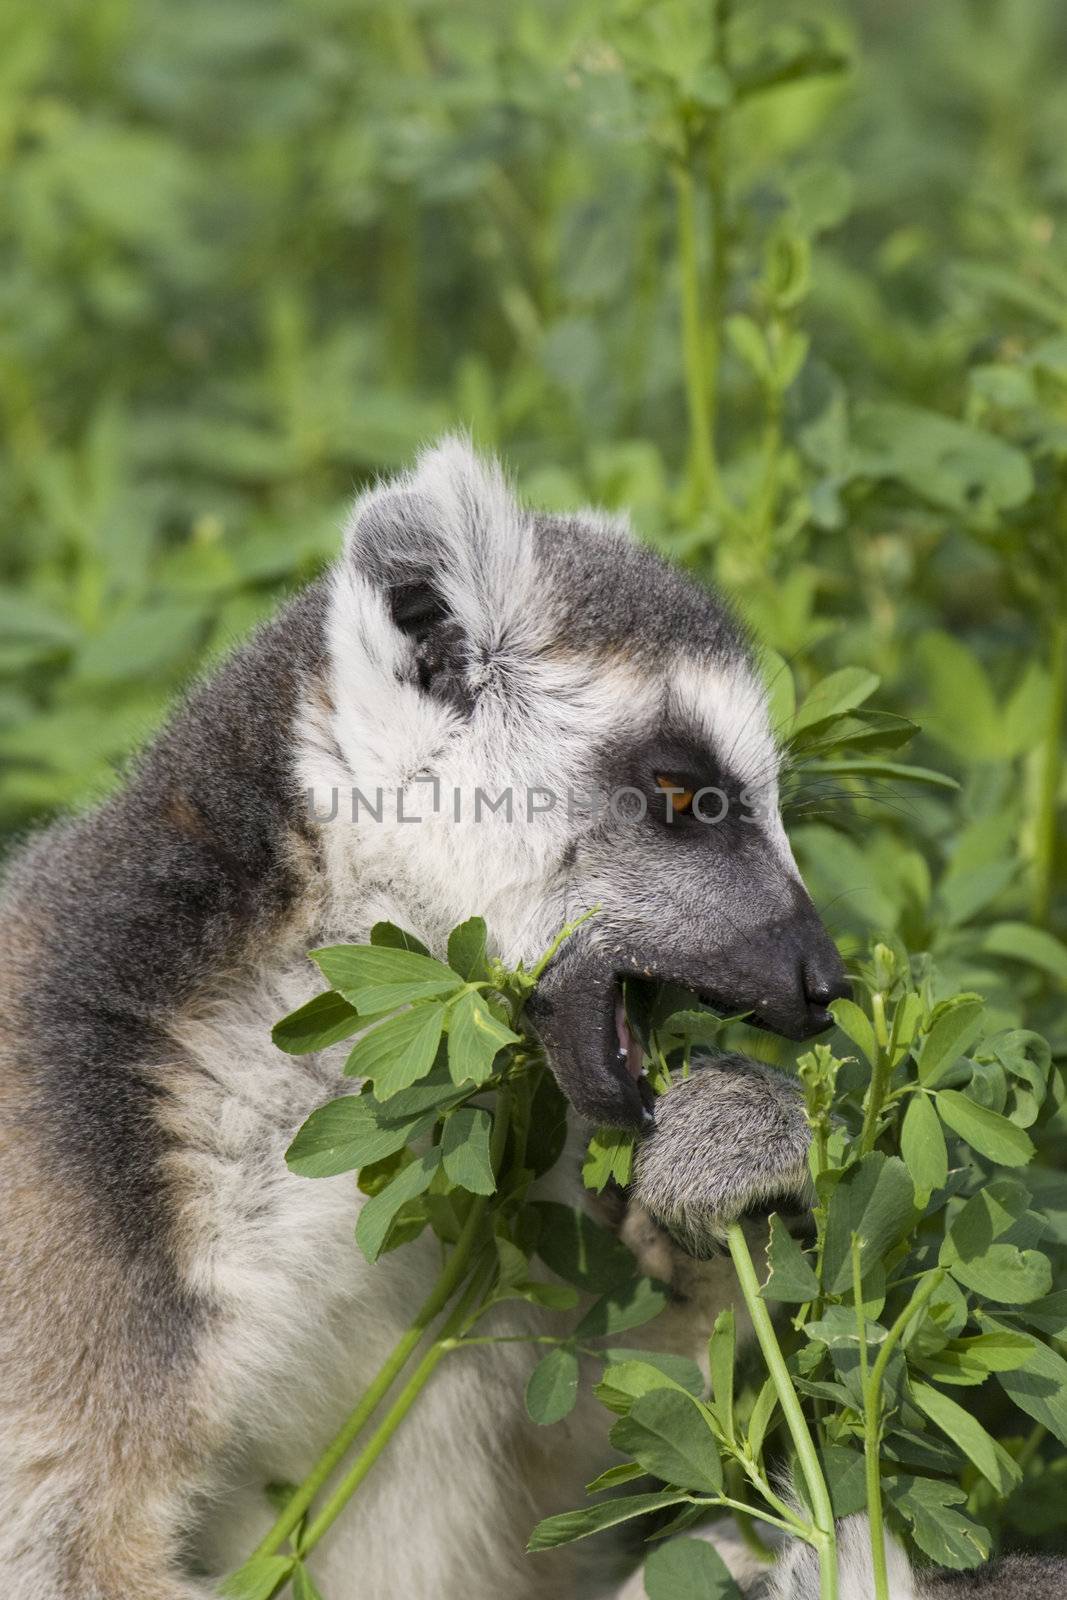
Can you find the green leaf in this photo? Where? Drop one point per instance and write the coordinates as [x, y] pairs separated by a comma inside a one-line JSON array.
[[1033, 946], [465, 1150], [376, 1215], [553, 1387], [999, 1271], [321, 1022], [381, 977], [792, 1278], [841, 691], [872, 768], [398, 1052], [953, 464], [722, 1349], [609, 1158], [668, 1433], [845, 1472], [625, 1381], [304, 1586], [571, 1525], [22, 617], [630, 1305], [152, 640], [387, 936], [1049, 1314], [1007, 1274], [967, 1433], [258, 1578], [970, 1361], [922, 1144], [986, 1131], [780, 687], [954, 1030], [688, 1569], [986, 1216], [857, 1026], [475, 1038], [869, 730], [760, 1418], [748, 339], [874, 1199], [682, 1370], [946, 1536], [436, 1092], [578, 1249], [468, 947], [347, 1134], [1039, 1388], [626, 1472]]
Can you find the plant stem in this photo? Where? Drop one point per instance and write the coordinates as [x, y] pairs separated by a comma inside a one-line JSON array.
[[900, 1326], [703, 477], [562, 936], [452, 1274], [822, 1535], [1051, 777], [880, 1075], [742, 1508], [392, 1419], [871, 1383], [718, 180], [750, 1536], [872, 1434]]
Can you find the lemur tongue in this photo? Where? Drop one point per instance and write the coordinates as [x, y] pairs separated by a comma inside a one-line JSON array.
[[628, 1045]]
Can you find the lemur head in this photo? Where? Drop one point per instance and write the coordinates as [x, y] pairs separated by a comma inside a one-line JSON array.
[[476, 650]]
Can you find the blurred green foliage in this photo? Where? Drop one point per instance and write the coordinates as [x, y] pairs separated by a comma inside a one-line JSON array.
[[787, 280]]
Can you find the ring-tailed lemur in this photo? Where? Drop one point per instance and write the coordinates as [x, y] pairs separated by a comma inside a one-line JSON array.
[[181, 1319]]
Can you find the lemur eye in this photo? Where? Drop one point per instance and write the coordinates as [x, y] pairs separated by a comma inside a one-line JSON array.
[[681, 798]]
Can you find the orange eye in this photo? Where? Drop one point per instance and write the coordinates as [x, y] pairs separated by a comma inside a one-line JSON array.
[[681, 798]]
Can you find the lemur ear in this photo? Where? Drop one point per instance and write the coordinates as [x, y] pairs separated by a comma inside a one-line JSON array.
[[448, 549]]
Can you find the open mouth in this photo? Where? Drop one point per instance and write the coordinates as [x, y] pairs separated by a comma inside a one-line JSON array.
[[593, 1016], [631, 1057]]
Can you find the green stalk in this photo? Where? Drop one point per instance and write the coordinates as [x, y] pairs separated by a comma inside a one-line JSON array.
[[750, 1536], [880, 1075], [872, 1434], [919, 1298], [871, 1380], [718, 170], [392, 1419], [454, 1271], [822, 1534], [535, 972], [1051, 778], [703, 476]]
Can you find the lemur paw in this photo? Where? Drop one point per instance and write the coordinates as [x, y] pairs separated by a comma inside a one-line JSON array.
[[728, 1139]]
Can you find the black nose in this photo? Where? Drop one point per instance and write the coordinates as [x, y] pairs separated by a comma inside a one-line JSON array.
[[823, 984]]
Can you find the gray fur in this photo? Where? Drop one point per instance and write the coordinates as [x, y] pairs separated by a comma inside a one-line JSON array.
[[1017, 1577], [136, 906], [181, 1319], [730, 1137]]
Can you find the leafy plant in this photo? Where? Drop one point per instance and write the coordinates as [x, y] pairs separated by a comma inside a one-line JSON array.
[[926, 1274], [457, 1117], [739, 269]]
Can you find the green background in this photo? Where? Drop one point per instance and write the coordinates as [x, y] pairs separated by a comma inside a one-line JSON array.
[[787, 280], [255, 253]]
